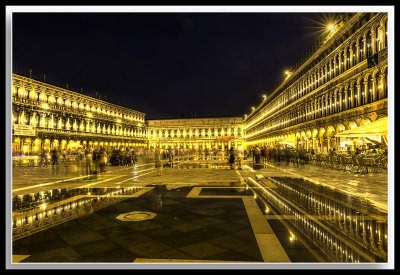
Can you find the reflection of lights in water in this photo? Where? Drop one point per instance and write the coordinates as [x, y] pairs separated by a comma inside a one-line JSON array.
[[292, 237]]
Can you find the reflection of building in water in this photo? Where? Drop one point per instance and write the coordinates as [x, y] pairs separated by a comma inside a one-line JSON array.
[[196, 133], [342, 84], [46, 116]]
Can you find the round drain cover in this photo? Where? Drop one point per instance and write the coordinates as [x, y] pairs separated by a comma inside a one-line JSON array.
[[136, 216]]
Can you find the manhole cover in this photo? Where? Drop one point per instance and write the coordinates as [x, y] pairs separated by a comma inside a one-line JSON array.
[[136, 216]]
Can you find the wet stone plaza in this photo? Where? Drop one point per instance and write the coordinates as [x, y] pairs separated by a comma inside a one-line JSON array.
[[199, 211]]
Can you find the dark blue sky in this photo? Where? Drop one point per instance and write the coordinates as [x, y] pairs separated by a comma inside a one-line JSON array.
[[211, 64]]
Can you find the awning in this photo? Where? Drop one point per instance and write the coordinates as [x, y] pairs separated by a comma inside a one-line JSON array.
[[289, 140], [73, 145], [376, 128]]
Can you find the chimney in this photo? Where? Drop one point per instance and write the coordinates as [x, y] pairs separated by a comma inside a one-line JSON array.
[[97, 95], [105, 98], [29, 73], [66, 86], [81, 91], [44, 78]]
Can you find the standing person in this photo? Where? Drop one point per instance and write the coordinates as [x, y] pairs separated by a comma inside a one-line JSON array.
[[54, 161], [264, 154], [102, 160], [88, 161], [232, 158], [134, 158], [95, 163], [240, 157], [42, 158], [157, 161], [170, 155], [257, 153]]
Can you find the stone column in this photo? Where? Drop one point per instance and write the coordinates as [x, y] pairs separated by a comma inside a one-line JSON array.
[[357, 53], [351, 57], [366, 93], [351, 97], [382, 87], [346, 97], [364, 48], [359, 98], [381, 30], [334, 67], [374, 89], [326, 72]]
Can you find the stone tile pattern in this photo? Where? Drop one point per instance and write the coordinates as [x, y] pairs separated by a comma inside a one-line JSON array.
[[189, 229]]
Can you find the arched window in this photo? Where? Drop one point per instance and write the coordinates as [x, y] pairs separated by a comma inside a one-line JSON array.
[[354, 50], [60, 101], [33, 95], [361, 53], [369, 44], [51, 99], [22, 93], [67, 103], [14, 90]]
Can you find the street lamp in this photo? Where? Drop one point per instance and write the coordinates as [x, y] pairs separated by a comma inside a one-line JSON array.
[[331, 27]]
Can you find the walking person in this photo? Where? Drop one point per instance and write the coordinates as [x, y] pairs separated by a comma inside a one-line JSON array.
[[133, 156], [240, 157], [95, 163], [257, 153], [264, 154], [42, 158], [170, 155], [232, 158], [157, 161], [88, 161], [102, 160], [54, 161]]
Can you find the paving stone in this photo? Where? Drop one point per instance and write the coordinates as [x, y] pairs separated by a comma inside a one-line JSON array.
[[184, 228]]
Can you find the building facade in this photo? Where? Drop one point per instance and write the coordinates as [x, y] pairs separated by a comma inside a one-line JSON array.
[[46, 117], [341, 85], [216, 133]]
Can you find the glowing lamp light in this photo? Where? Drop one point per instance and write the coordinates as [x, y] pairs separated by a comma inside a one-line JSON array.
[[331, 27]]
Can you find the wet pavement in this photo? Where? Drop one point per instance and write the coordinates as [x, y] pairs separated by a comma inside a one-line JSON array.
[[370, 186], [196, 211]]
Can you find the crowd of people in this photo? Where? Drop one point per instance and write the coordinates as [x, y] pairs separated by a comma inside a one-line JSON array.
[[301, 156], [95, 161]]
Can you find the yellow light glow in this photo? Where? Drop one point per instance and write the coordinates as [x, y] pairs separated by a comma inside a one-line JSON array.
[[331, 27], [89, 115]]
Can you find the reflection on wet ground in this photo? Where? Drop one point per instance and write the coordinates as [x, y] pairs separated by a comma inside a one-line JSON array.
[[195, 211]]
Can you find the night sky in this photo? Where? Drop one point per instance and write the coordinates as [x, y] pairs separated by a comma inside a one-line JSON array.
[[165, 64]]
